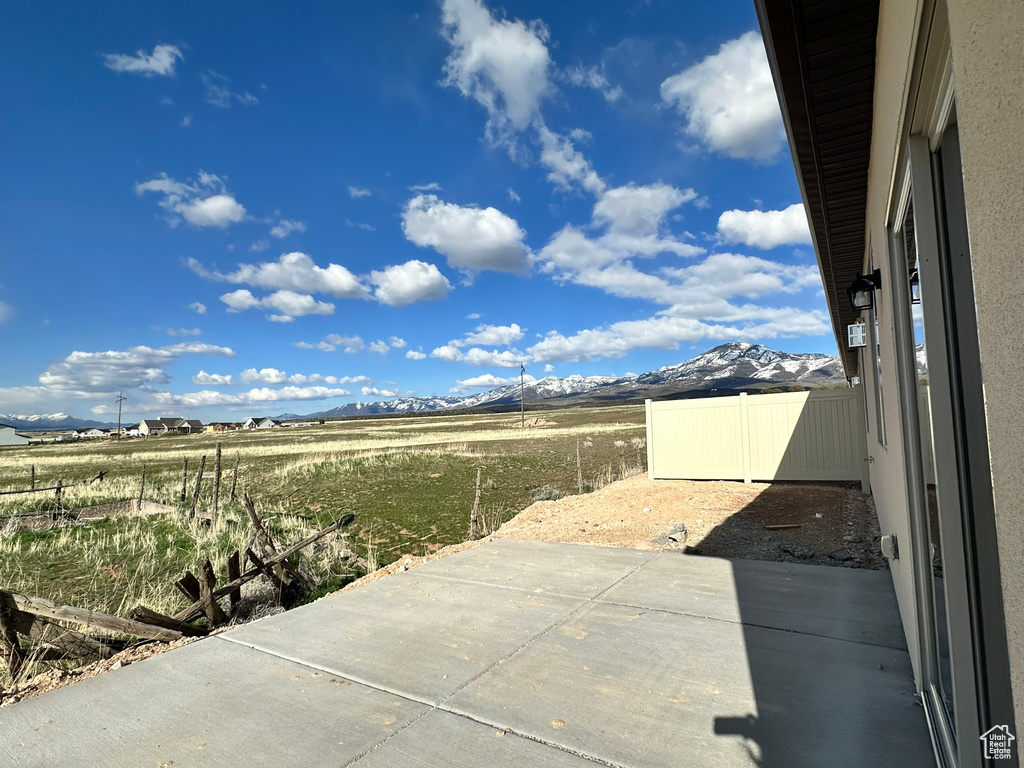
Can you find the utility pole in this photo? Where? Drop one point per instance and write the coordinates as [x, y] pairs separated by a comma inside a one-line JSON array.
[[522, 396], [120, 399]]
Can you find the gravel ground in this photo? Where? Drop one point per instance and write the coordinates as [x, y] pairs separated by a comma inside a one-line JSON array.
[[835, 524]]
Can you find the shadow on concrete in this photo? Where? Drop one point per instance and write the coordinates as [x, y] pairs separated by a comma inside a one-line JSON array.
[[825, 647]]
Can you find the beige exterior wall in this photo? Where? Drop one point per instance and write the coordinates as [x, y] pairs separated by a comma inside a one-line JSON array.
[[793, 436], [987, 39], [987, 42]]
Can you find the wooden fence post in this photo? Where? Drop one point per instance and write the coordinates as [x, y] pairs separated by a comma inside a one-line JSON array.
[[195, 493], [216, 484], [33, 477], [142, 486], [184, 480], [579, 467], [234, 478], [473, 516]]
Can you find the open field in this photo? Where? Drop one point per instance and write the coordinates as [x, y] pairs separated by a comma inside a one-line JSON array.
[[410, 483]]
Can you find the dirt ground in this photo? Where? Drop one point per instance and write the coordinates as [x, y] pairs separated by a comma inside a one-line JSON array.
[[832, 524], [827, 524]]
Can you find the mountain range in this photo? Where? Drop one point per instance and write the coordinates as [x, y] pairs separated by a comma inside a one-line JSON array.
[[726, 369], [46, 422]]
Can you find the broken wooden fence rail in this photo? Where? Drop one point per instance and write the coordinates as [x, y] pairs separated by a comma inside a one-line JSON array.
[[196, 608], [143, 614], [38, 606]]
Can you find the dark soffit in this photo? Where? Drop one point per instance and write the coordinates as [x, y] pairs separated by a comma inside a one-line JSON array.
[[822, 58]]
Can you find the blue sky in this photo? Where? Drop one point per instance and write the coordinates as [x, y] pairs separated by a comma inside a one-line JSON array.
[[220, 208]]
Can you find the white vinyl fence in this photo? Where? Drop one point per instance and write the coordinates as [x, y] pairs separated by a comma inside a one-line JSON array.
[[792, 436]]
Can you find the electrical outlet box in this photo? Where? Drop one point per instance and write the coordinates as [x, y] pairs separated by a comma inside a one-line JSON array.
[[856, 335]]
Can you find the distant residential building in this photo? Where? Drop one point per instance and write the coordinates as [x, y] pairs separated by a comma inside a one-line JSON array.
[[8, 436], [89, 434], [222, 426], [260, 422], [166, 424]]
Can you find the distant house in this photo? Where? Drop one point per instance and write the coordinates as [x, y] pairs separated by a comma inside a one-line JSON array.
[[9, 437], [222, 426], [260, 422], [166, 424], [132, 431], [89, 434]]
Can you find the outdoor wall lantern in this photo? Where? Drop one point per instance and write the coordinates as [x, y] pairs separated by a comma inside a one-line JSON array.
[[862, 290], [915, 287]]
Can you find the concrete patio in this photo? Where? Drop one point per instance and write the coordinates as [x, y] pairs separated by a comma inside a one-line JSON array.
[[520, 654]]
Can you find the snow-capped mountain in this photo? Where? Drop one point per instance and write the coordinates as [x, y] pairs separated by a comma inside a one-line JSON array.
[[49, 421], [724, 368], [749, 361], [727, 368]]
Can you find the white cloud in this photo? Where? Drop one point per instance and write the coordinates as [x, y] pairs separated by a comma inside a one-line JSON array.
[[205, 379], [186, 121], [409, 283], [358, 225], [202, 203], [292, 271], [490, 381], [396, 342], [638, 210], [380, 347], [470, 238], [615, 340], [286, 226], [356, 192], [160, 62], [103, 372], [592, 77], [729, 101], [5, 311], [491, 335], [549, 368], [502, 64], [380, 392], [198, 307], [431, 187], [259, 246], [220, 95], [566, 165], [287, 305], [276, 376], [451, 353], [633, 218], [413, 354], [473, 316], [333, 341], [765, 229], [515, 198], [184, 332], [256, 396]]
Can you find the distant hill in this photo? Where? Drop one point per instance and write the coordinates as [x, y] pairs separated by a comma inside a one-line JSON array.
[[49, 422], [724, 369]]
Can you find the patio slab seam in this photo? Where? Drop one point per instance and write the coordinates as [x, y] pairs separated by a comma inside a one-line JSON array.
[[691, 615], [475, 582], [587, 602], [440, 706]]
